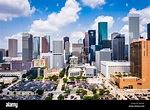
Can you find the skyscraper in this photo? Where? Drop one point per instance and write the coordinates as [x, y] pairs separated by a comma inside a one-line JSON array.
[[58, 46], [119, 47], [27, 47], [102, 32], [134, 31], [140, 61], [36, 47], [148, 31], [65, 40], [12, 47], [46, 44], [1, 56], [4, 52], [92, 38]]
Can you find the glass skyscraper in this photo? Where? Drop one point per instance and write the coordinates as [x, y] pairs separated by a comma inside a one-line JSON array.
[[148, 31], [92, 38], [102, 32], [46, 44], [36, 47]]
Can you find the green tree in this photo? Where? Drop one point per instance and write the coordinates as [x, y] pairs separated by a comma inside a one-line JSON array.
[[107, 91], [24, 76], [63, 87], [62, 73], [101, 91], [96, 97], [65, 80], [94, 91], [48, 98], [72, 78], [68, 91], [78, 78], [40, 92], [78, 91], [84, 92], [88, 97], [55, 78], [60, 97]]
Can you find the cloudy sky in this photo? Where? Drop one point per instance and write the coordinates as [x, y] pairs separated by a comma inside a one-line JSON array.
[[59, 18]]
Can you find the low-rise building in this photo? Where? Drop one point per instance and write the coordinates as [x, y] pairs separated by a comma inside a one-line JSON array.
[[89, 71], [74, 72], [51, 72], [12, 73], [110, 67], [8, 80], [128, 82], [37, 71], [40, 62], [73, 61]]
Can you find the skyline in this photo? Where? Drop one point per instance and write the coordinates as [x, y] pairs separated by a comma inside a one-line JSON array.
[[68, 18]]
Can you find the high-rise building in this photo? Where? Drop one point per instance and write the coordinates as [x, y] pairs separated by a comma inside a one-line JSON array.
[[12, 47], [58, 46], [102, 32], [65, 40], [134, 30], [77, 50], [36, 47], [126, 52], [106, 44], [4, 52], [140, 61], [148, 31], [86, 47], [1, 56], [27, 47], [46, 44], [92, 38], [119, 47]]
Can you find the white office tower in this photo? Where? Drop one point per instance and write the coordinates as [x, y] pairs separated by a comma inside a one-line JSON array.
[[134, 30], [102, 55], [58, 54]]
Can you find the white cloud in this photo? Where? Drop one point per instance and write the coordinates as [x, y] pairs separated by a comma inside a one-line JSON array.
[[68, 14], [93, 3], [17, 36], [15, 8], [112, 4]]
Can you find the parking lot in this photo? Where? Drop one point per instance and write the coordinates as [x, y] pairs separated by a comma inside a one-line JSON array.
[[34, 97], [33, 86]]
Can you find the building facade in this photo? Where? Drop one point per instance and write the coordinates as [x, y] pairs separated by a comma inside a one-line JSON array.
[[1, 56], [12, 47], [102, 32], [46, 44], [36, 47], [40, 62], [134, 29], [111, 67], [118, 51], [92, 38], [27, 47], [102, 55], [148, 31], [58, 46], [4, 52], [139, 62]]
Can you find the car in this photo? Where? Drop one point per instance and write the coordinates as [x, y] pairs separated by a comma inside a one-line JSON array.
[[72, 96]]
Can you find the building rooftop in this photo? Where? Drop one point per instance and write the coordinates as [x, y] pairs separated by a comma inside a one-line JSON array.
[[116, 63]]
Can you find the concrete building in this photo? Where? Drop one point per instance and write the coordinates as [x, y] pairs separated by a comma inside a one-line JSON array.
[[148, 31], [21, 65], [92, 38], [58, 46], [27, 47], [52, 72], [37, 71], [36, 47], [46, 44], [118, 51], [134, 29], [40, 62], [8, 80], [74, 72], [66, 39], [12, 47], [140, 61], [111, 67], [89, 71], [102, 55], [1, 56], [12, 73], [4, 52], [77, 50], [106, 44], [58, 61], [86, 46], [73, 61], [50, 58]]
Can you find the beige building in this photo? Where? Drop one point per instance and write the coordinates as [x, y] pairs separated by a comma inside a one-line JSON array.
[[40, 62], [51, 72], [8, 80], [140, 62]]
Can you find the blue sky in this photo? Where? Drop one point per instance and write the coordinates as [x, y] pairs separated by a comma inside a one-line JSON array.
[[71, 18]]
